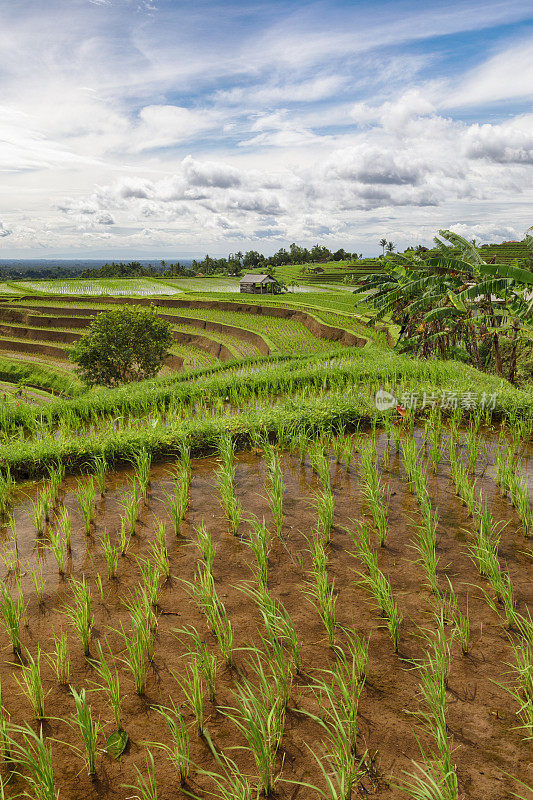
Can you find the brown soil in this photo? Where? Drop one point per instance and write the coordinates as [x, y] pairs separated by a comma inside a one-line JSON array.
[[33, 347], [481, 715]]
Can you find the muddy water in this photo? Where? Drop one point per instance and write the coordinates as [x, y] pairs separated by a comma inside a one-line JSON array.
[[481, 715]]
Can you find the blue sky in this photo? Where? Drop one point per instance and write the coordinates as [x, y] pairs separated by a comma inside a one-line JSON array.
[[163, 128]]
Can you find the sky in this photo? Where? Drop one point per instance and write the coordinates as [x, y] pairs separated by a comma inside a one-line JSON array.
[[161, 128]]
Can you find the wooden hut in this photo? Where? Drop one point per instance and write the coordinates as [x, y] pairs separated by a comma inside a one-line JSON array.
[[257, 284]]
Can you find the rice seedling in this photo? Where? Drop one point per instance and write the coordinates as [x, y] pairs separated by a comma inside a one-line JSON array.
[[204, 593], [378, 586], [206, 660], [47, 498], [150, 580], [60, 660], [275, 489], [31, 760], [436, 447], [145, 785], [14, 535], [37, 578], [344, 769], [109, 684], [460, 621], [205, 545], [130, 502], [37, 515], [4, 734], [178, 751], [80, 614], [192, 686], [58, 548], [89, 729], [176, 503], [262, 725], [358, 650], [99, 472], [337, 444], [159, 551], [474, 446], [31, 683], [324, 503], [136, 657], [427, 783], [111, 555], [260, 545], [425, 544], [322, 593], [375, 497], [143, 466], [232, 785], [12, 614], [433, 672], [6, 487], [124, 537], [520, 494], [86, 497], [225, 476], [65, 528], [504, 465], [320, 463], [143, 621]]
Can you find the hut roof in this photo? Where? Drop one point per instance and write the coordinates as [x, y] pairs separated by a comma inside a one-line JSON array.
[[256, 278]]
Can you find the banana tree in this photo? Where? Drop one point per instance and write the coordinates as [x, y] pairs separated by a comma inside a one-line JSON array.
[[452, 304]]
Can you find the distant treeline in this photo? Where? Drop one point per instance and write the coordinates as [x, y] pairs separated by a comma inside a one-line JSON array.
[[234, 264]]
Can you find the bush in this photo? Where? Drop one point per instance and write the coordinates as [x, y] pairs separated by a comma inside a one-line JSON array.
[[122, 345]]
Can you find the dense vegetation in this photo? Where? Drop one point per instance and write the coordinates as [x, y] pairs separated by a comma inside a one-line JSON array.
[[453, 304]]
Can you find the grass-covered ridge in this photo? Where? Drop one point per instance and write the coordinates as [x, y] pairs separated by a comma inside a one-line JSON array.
[[262, 394]]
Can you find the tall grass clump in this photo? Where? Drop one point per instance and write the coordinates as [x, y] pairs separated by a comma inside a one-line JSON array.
[[275, 489]]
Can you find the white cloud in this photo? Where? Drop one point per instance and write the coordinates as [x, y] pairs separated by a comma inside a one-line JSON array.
[[507, 74]]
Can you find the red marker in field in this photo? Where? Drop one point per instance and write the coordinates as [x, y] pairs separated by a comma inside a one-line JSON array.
[[401, 410]]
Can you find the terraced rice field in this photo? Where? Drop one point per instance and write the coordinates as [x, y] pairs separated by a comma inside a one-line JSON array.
[[36, 327], [313, 614]]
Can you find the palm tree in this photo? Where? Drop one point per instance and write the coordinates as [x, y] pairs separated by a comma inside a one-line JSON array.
[[391, 247], [382, 243]]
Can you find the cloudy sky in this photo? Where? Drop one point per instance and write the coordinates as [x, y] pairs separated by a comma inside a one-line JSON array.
[[168, 128]]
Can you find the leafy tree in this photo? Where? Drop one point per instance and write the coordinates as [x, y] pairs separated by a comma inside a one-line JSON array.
[[122, 345]]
